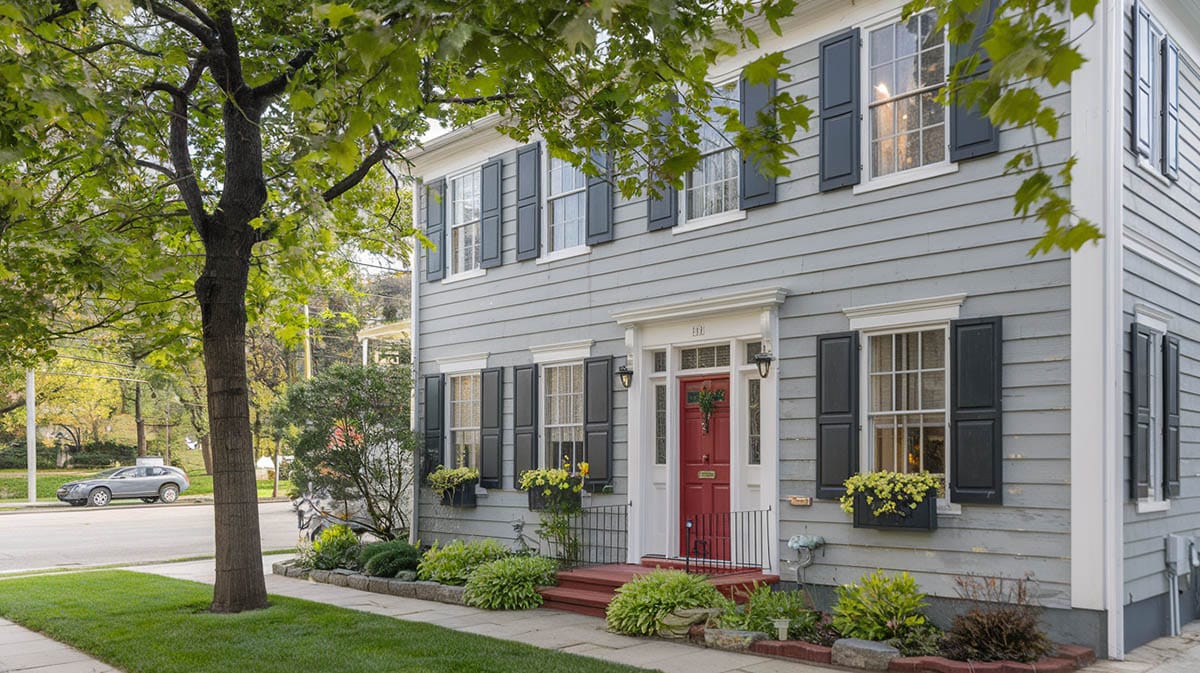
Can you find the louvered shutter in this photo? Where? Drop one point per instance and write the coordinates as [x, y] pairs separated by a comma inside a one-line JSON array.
[[490, 226], [1170, 453], [435, 230], [600, 202], [663, 211], [1143, 88], [971, 132], [525, 420], [491, 417], [529, 201], [597, 420], [757, 189], [976, 431], [1141, 341], [837, 412], [840, 117], [1170, 143], [435, 416]]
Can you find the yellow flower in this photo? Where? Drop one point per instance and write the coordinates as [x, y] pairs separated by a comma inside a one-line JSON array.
[[583, 469]]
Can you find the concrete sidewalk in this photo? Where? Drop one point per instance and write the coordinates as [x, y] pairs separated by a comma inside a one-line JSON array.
[[24, 650]]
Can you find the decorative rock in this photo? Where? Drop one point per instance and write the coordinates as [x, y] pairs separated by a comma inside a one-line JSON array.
[[298, 572], [321, 576], [677, 624], [338, 579], [450, 594], [377, 585], [733, 640], [280, 568], [357, 582], [866, 654], [426, 591], [407, 576], [399, 587]]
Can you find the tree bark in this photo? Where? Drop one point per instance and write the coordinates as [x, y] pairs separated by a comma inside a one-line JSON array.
[[206, 454], [138, 420]]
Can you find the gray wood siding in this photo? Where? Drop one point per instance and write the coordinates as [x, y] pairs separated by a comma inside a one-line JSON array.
[[1170, 216], [943, 235]]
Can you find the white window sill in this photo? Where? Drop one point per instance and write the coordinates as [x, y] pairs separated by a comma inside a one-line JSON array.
[[709, 221], [558, 255], [905, 177], [1153, 170], [1147, 506], [465, 275], [948, 508]]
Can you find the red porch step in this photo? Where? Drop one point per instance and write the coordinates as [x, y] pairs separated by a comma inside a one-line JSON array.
[[589, 590]]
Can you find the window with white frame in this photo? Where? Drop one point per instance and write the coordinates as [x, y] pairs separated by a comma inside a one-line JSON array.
[[1155, 448], [754, 420], [906, 66], [566, 205], [712, 187], [465, 411], [464, 223], [562, 413], [906, 407], [660, 424]]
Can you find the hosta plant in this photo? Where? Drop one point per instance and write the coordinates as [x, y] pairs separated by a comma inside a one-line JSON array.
[[510, 583], [454, 562], [641, 605]]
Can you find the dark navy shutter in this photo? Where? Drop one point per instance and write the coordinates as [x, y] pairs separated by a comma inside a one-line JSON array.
[[971, 132], [1170, 146], [597, 420], [841, 127], [529, 201], [525, 420], [837, 412], [491, 417], [1170, 455], [757, 189], [663, 211], [490, 230], [435, 414], [435, 230], [1143, 88], [600, 202], [1141, 341], [976, 432]]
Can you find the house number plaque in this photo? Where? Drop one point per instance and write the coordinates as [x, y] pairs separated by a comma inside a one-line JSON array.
[[707, 474]]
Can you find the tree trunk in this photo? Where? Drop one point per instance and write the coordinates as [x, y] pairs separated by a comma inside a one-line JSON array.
[[222, 292], [275, 485], [206, 454], [138, 420]]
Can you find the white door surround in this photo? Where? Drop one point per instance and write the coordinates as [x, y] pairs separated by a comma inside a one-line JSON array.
[[734, 319]]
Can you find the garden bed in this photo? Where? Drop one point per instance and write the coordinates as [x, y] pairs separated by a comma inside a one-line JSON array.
[[391, 586]]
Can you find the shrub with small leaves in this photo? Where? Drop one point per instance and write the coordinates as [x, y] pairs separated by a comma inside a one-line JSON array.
[[386, 559], [1002, 625], [336, 547], [880, 608], [454, 563], [510, 583], [641, 605], [763, 606]]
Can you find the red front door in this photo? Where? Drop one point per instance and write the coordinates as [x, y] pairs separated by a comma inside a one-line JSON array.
[[704, 470]]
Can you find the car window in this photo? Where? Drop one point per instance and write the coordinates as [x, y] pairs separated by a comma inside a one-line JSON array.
[[104, 474], [126, 473], [142, 472], [155, 471]]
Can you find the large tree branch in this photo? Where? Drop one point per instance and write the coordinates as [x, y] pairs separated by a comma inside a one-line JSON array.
[[277, 84], [177, 145], [201, 32], [474, 100], [356, 176]]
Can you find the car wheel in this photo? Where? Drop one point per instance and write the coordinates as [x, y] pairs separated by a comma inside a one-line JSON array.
[[169, 493], [150, 500], [99, 497]]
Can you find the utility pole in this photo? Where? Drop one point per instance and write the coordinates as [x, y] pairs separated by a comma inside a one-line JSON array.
[[31, 433], [307, 346], [138, 421]]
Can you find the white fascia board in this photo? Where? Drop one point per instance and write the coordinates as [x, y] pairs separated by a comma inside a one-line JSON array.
[[907, 312], [464, 363], [738, 301], [570, 351]]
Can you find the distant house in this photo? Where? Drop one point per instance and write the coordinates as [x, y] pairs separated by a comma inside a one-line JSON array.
[[908, 328]]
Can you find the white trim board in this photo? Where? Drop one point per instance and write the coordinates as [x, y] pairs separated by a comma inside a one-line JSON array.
[[561, 352], [463, 363], [906, 312], [1154, 251], [738, 301]]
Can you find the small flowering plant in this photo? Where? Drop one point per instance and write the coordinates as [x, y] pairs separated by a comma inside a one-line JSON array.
[[897, 493], [555, 480], [445, 479]]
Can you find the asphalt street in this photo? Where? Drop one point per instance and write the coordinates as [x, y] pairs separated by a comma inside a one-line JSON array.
[[36, 539]]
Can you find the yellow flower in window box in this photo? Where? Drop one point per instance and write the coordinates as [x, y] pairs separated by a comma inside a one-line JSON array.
[[893, 499]]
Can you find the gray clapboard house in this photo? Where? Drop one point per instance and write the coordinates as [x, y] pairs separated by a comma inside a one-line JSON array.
[[890, 291]]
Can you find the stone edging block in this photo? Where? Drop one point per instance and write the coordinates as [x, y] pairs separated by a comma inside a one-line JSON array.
[[426, 591]]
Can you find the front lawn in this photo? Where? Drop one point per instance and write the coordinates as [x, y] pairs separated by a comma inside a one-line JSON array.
[[149, 624]]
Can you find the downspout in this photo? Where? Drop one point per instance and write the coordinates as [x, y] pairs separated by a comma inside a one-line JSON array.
[[415, 364]]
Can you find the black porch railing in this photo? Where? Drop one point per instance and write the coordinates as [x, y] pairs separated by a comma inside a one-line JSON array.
[[727, 541], [598, 536]]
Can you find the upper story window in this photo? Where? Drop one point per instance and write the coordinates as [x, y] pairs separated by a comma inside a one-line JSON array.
[[566, 206], [906, 66], [1155, 95], [464, 223], [465, 412], [712, 187]]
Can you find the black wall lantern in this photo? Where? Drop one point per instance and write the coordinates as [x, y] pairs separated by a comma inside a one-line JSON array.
[[763, 360], [626, 375]]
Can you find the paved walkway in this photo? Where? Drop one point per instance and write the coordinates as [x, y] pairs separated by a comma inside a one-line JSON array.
[[24, 650], [1180, 654]]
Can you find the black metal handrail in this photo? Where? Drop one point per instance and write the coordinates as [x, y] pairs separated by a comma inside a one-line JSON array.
[[719, 542], [598, 536]]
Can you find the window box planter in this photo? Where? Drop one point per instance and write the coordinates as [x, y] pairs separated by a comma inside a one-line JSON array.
[[567, 500], [922, 517], [462, 495]]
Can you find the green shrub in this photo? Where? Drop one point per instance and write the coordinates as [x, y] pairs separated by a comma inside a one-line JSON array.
[[104, 454], [1003, 624], [510, 583], [454, 563], [386, 559], [763, 606], [337, 547], [881, 608], [641, 605]]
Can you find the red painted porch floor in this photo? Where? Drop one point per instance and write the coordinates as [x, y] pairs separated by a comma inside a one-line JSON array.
[[588, 590]]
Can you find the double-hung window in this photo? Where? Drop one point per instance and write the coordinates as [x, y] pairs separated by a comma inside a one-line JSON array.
[[562, 409], [465, 412], [712, 187], [464, 223], [566, 206], [906, 67], [906, 406]]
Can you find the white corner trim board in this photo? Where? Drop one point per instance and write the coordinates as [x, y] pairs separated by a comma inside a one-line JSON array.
[[464, 363], [562, 352], [737, 301], [906, 312]]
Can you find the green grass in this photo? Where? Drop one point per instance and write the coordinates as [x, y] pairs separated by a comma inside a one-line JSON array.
[[151, 624], [13, 485]]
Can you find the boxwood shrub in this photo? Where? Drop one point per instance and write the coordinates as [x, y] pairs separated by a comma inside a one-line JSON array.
[[386, 559]]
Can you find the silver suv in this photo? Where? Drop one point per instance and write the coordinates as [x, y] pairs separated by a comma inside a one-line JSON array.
[[149, 483]]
